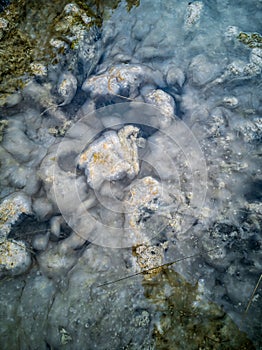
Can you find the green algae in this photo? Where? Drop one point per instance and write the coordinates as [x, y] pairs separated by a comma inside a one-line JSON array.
[[253, 40], [27, 26], [188, 321]]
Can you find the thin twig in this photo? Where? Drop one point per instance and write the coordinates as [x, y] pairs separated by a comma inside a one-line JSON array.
[[251, 299], [154, 268]]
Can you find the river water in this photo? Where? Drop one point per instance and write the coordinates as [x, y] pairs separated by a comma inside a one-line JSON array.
[[130, 154]]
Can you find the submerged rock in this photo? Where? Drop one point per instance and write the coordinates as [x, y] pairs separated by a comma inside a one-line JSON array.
[[120, 80], [165, 103], [193, 13], [66, 88], [11, 209], [146, 208], [123, 80], [15, 259], [111, 157]]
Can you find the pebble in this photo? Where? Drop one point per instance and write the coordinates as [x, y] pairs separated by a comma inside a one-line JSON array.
[[165, 103], [193, 13], [67, 86]]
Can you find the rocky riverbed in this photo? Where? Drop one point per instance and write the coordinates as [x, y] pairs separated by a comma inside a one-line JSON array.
[[130, 193]]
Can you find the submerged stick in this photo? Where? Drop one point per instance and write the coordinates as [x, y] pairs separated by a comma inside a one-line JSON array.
[[154, 268], [252, 297]]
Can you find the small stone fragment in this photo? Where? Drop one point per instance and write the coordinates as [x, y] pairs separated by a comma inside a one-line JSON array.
[[65, 337], [38, 69], [149, 257], [193, 13], [42, 208], [13, 99], [3, 23], [230, 102]]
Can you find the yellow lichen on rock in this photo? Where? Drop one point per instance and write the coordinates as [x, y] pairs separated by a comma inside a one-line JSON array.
[[14, 258]]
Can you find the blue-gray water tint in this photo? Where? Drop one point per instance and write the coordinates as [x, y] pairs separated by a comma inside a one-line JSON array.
[[194, 52]]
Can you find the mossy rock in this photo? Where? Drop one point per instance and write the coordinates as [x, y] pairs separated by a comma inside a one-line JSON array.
[[29, 25]]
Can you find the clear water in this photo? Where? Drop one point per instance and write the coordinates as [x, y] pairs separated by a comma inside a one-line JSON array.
[[196, 230]]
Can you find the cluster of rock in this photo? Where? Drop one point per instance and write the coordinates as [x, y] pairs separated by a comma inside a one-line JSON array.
[[105, 151]]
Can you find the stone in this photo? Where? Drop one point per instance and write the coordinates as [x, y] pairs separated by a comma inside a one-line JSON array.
[[256, 57], [145, 211], [193, 13], [119, 80], [15, 259], [11, 209], [40, 241], [230, 102], [67, 86], [16, 142], [122, 80], [13, 99], [112, 157], [175, 76], [38, 69], [202, 71], [42, 208], [165, 103]]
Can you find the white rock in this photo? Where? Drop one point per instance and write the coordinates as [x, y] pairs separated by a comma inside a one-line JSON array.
[[10, 210], [124, 80], [175, 76], [42, 208], [15, 259], [202, 71], [145, 201], [113, 156], [119, 80], [193, 13], [55, 225], [38, 69], [40, 241], [13, 100], [16, 142], [67, 86], [3, 23], [230, 102], [165, 103], [231, 32], [256, 56]]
